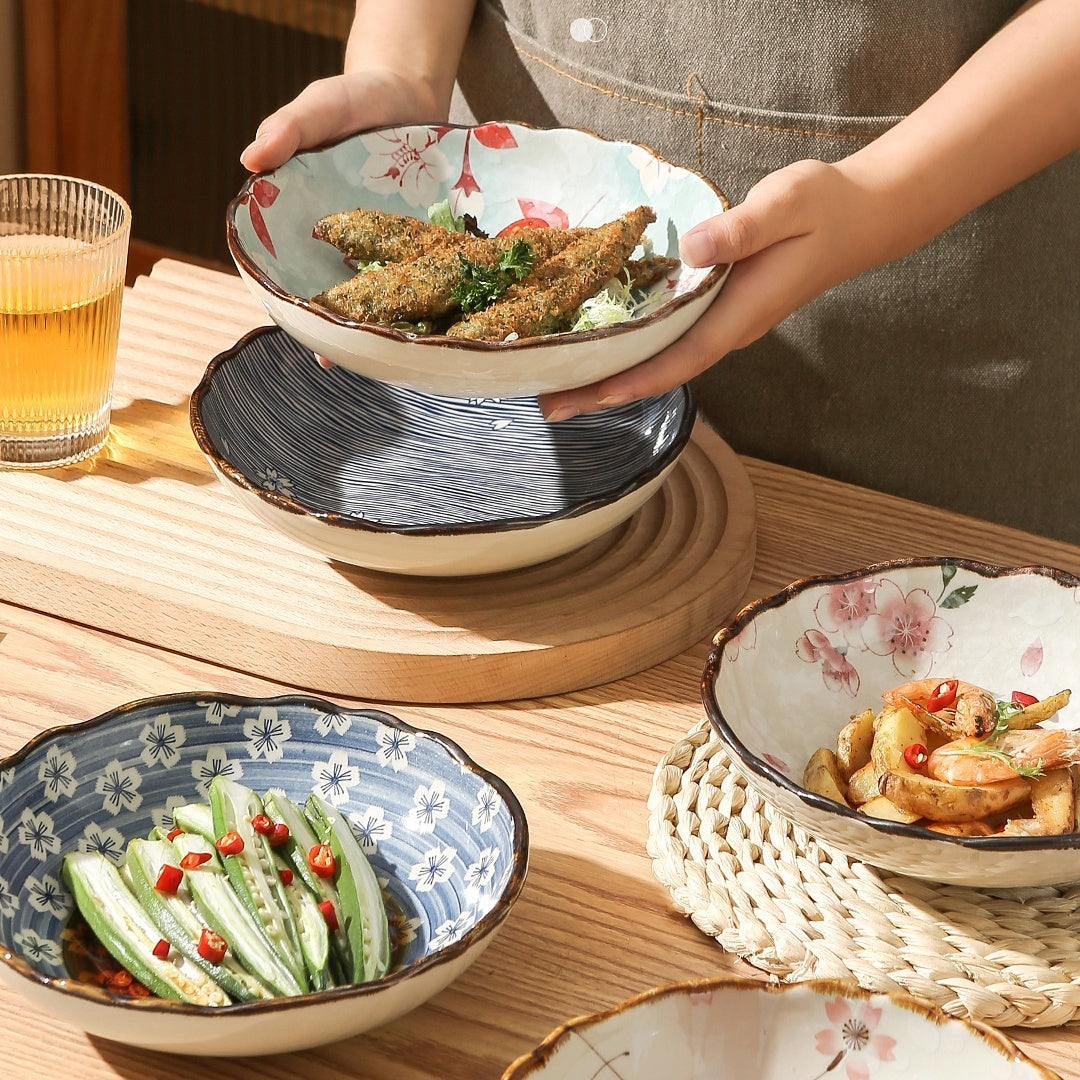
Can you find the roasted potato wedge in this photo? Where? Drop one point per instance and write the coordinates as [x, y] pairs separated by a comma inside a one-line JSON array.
[[938, 801], [863, 784], [822, 776], [854, 742], [894, 731], [880, 807], [1053, 804], [1042, 710]]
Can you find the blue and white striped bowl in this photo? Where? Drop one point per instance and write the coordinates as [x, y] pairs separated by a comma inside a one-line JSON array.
[[394, 479]]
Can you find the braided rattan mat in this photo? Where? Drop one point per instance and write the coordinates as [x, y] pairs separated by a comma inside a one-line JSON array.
[[789, 905]]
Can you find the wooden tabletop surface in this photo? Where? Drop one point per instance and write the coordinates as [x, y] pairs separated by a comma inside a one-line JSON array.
[[592, 925]]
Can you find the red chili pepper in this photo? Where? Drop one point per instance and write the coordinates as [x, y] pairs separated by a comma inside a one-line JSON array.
[[321, 859], [194, 859], [280, 835], [161, 949], [212, 946], [1020, 698], [230, 843], [915, 755], [261, 823], [174, 833], [329, 914], [121, 979], [286, 875], [943, 695], [168, 881]]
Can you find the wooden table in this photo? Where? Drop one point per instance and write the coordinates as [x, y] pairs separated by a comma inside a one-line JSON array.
[[592, 926]]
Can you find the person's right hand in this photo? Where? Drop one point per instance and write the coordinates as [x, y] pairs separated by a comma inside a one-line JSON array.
[[332, 108]]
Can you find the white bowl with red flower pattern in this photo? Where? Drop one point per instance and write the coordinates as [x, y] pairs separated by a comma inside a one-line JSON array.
[[789, 670], [741, 1028], [500, 174]]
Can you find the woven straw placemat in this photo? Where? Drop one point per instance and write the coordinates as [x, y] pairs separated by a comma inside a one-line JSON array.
[[791, 906]]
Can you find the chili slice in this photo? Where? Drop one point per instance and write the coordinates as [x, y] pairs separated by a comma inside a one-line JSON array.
[[329, 914], [168, 881], [943, 695], [321, 860], [212, 946], [161, 949], [286, 875], [173, 833], [915, 755], [261, 823], [230, 843], [195, 859], [279, 835], [1022, 699]]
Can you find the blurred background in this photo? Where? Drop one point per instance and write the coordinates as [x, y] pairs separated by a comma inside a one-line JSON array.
[[156, 99]]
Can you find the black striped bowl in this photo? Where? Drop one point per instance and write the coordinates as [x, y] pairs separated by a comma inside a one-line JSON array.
[[397, 480]]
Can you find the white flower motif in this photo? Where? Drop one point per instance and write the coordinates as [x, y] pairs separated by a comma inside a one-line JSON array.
[[404, 932], [370, 827], [3, 838], [163, 815], [654, 173], [48, 895], [271, 480], [498, 425], [333, 722], [267, 734], [6, 776], [435, 866], [394, 746], [216, 711], [216, 763], [120, 787], [37, 832], [479, 874], [488, 805], [110, 842], [36, 949], [57, 773], [163, 740], [9, 902], [430, 805], [449, 932], [334, 777], [407, 162]]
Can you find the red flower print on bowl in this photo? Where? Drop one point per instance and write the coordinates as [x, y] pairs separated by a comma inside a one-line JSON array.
[[837, 671], [407, 161], [907, 628], [844, 609], [851, 1040]]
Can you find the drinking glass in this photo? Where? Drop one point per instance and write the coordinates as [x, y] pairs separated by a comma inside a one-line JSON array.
[[63, 253]]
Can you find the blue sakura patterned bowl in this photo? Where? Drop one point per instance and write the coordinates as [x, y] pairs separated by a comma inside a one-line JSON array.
[[501, 174], [448, 839], [398, 480], [789, 671]]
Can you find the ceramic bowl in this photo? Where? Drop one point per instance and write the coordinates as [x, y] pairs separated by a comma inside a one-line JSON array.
[[737, 1027], [449, 839], [499, 173], [787, 673], [397, 480]]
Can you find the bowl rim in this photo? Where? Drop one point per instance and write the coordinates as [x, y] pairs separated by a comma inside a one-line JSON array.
[[480, 930], [525, 1065], [751, 763], [683, 397], [714, 278]]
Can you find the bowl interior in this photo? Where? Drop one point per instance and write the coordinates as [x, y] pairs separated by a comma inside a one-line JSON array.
[[335, 442], [499, 173], [448, 839]]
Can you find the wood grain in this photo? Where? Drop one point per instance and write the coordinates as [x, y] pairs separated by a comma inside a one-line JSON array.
[[144, 541]]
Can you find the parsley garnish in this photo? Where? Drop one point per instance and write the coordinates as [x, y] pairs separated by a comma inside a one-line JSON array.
[[481, 286]]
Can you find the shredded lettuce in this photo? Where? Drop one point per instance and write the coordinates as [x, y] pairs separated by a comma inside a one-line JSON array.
[[615, 303], [440, 214]]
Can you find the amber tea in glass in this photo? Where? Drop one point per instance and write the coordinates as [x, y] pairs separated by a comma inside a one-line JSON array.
[[63, 253]]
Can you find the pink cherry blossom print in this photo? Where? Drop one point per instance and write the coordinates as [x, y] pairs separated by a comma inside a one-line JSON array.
[[1032, 658], [261, 195], [836, 670], [776, 763], [745, 639], [405, 161], [907, 628], [843, 609], [851, 1040]]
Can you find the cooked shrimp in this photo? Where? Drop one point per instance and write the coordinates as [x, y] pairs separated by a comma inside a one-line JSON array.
[[968, 762], [964, 709]]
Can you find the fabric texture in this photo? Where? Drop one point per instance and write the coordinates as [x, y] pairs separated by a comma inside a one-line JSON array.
[[946, 376]]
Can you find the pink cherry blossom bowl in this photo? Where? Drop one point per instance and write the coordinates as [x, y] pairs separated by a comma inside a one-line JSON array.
[[740, 1027], [789, 671], [502, 175]]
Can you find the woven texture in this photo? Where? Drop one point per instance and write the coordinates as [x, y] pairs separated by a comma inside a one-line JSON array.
[[791, 906]]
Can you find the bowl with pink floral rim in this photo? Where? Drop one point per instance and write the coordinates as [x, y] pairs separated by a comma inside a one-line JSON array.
[[806, 1031], [502, 176], [792, 670]]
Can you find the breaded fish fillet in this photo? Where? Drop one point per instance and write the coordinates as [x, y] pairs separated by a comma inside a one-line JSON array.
[[377, 235], [546, 300]]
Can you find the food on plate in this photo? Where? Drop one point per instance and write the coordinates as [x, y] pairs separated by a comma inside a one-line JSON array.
[[423, 277], [951, 756], [247, 898]]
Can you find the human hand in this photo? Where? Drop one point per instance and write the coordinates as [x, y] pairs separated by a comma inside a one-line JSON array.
[[799, 231]]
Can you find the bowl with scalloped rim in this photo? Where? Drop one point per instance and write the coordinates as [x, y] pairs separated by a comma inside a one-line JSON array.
[[447, 840], [501, 174]]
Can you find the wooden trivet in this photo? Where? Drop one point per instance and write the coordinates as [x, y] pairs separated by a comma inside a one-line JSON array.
[[144, 541], [791, 906]]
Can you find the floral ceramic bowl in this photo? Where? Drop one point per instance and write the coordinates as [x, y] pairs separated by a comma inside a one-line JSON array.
[[449, 840], [790, 670], [500, 174], [397, 480], [740, 1028]]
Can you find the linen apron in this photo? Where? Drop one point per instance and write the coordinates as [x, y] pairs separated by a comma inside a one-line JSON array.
[[946, 376]]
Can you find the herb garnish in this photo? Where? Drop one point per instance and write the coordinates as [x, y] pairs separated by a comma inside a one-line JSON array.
[[1003, 712], [481, 286]]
